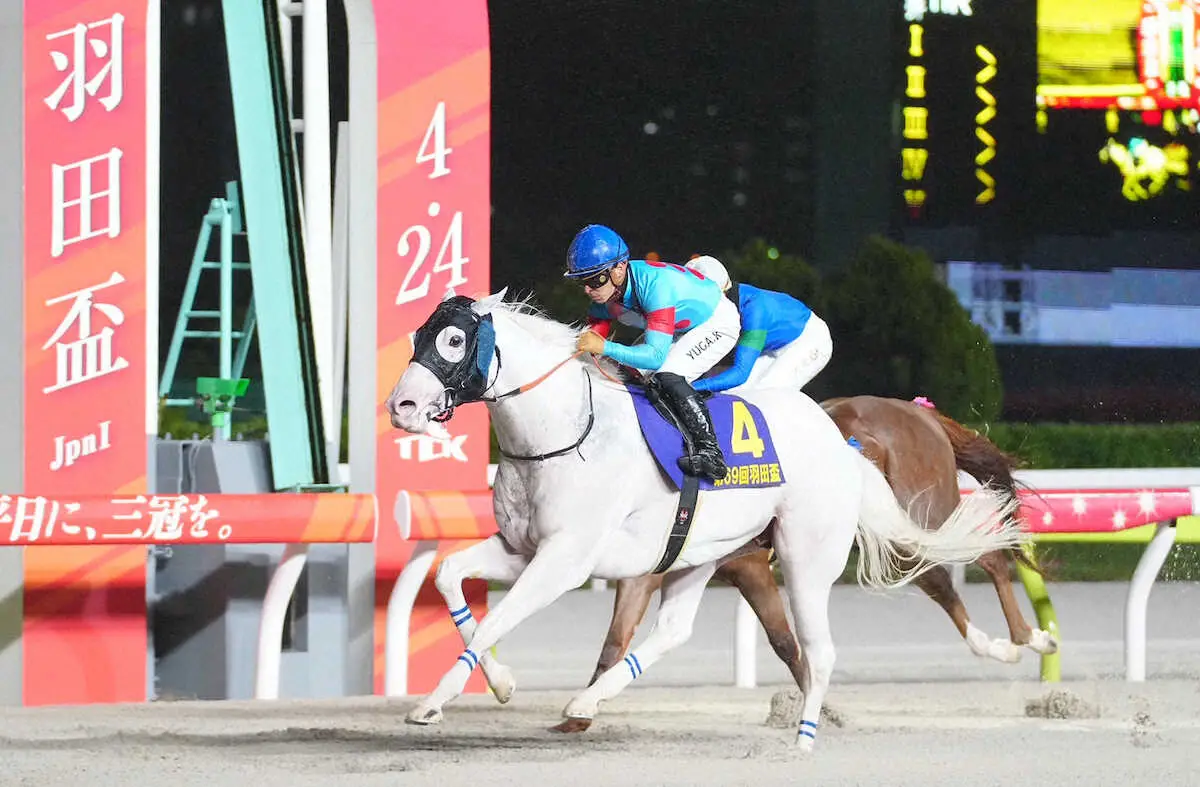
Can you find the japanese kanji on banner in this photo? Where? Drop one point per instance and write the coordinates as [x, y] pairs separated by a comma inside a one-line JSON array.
[[187, 519], [85, 372], [434, 216]]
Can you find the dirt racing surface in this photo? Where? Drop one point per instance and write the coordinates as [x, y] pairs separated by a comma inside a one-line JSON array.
[[964, 733]]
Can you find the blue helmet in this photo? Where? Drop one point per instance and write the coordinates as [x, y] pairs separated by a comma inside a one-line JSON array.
[[594, 249]]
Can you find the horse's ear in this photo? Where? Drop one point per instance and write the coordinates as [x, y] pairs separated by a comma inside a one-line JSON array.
[[485, 305], [450, 293]]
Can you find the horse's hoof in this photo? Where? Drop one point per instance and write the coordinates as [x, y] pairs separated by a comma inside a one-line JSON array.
[[805, 744], [502, 683], [1004, 651], [1043, 642], [572, 725], [424, 716], [581, 708]]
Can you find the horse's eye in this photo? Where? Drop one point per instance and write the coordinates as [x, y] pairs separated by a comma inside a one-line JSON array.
[[451, 344]]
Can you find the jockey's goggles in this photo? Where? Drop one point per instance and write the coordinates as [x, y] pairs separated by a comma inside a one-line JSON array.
[[597, 281]]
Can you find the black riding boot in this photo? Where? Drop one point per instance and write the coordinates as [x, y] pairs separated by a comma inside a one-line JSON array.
[[706, 459]]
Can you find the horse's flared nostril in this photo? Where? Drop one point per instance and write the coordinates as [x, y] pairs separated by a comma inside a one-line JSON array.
[[401, 408], [396, 407]]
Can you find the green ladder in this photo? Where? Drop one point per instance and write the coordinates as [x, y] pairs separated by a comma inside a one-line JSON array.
[[225, 216]]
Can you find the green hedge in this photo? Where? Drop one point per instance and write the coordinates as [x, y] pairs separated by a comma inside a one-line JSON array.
[[1046, 446]]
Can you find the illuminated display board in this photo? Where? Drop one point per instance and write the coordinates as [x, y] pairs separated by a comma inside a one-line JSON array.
[[914, 155], [1118, 110], [963, 95], [1047, 115], [1121, 54]]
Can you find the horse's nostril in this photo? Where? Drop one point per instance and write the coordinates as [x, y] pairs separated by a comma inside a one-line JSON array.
[[397, 407]]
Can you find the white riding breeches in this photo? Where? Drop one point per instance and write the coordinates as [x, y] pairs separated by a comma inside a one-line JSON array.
[[794, 364], [698, 350]]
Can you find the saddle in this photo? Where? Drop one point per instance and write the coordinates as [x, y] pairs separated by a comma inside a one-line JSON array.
[[742, 434]]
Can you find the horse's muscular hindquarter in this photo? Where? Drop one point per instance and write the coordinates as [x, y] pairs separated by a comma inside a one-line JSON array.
[[920, 452]]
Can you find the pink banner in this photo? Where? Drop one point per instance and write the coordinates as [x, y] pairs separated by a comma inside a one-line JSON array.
[[1102, 510], [85, 332], [85, 245], [434, 215], [314, 518]]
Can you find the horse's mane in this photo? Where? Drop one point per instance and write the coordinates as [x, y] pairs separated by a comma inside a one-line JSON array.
[[537, 323]]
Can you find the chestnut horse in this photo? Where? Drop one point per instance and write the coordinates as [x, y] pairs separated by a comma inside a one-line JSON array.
[[919, 451]]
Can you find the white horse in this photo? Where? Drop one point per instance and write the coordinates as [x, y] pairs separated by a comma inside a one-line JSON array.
[[578, 494]]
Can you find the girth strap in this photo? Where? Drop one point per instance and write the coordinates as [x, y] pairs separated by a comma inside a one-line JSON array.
[[684, 512], [688, 495]]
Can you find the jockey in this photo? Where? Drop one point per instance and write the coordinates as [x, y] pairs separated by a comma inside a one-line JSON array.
[[688, 325], [783, 343]]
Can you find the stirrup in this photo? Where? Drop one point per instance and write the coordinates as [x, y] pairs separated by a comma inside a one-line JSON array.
[[700, 465]]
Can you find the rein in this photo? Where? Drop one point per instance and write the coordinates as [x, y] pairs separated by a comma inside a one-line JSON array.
[[534, 383]]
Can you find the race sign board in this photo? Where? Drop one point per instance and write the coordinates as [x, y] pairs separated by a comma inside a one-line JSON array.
[[433, 219], [86, 365]]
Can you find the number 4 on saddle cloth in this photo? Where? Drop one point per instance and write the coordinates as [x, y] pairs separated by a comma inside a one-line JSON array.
[[745, 441], [741, 432]]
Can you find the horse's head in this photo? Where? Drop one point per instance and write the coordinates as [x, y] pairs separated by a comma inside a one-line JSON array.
[[452, 355]]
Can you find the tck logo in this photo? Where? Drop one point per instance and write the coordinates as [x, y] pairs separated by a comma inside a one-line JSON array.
[[428, 448]]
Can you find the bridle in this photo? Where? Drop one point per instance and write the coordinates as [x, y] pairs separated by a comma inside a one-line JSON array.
[[466, 380]]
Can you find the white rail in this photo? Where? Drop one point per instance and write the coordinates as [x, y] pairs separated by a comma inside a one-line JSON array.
[[274, 614], [1137, 600], [399, 616]]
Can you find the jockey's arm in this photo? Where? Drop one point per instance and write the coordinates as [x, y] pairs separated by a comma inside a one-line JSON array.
[[749, 347], [602, 327], [651, 352]]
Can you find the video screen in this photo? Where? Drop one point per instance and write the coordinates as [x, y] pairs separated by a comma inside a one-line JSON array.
[[1118, 107], [1122, 54]]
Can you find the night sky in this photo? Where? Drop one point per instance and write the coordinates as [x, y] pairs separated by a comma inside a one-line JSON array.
[[683, 131]]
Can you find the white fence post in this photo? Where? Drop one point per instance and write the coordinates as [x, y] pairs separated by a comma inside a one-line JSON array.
[[270, 624], [745, 645], [399, 615], [1138, 599]]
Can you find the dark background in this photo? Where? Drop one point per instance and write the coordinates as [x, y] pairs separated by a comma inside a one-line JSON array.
[[696, 126]]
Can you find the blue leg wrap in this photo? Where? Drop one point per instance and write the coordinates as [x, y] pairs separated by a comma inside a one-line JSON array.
[[635, 666], [469, 658], [461, 616]]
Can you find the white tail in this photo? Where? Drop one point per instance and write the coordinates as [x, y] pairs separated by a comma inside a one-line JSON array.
[[894, 550]]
